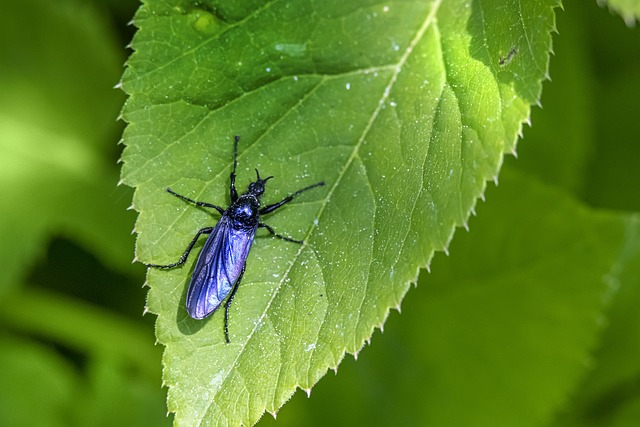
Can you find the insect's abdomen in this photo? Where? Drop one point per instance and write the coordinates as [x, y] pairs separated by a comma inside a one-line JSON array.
[[218, 267]]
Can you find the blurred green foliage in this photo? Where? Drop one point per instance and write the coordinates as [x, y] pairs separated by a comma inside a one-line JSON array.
[[532, 319], [74, 348]]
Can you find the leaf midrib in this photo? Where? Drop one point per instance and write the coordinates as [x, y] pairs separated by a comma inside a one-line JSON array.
[[396, 71]]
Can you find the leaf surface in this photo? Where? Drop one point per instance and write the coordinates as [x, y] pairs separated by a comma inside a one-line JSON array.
[[403, 109], [511, 316]]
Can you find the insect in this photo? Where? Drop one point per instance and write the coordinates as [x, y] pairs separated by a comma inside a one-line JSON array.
[[504, 61], [223, 258]]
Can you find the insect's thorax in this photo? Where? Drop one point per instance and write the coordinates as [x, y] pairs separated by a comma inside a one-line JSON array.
[[245, 211]]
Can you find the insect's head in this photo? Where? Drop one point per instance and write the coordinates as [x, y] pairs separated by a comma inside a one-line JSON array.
[[257, 187]]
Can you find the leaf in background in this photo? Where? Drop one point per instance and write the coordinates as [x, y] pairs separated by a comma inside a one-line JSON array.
[[113, 386], [57, 112], [117, 355], [613, 178], [41, 387], [82, 327], [558, 147], [608, 396], [403, 109], [526, 313], [38, 386], [628, 9], [58, 177]]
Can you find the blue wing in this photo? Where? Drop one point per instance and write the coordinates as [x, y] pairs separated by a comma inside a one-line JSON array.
[[219, 264]]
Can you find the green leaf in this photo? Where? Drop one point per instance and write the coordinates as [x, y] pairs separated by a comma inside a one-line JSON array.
[[112, 385], [37, 385], [57, 109], [628, 9], [403, 109], [121, 361], [526, 313], [563, 132], [613, 179], [502, 328], [40, 387], [80, 326], [608, 395]]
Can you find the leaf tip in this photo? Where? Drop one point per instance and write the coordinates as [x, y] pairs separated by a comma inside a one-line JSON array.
[[308, 391], [629, 20]]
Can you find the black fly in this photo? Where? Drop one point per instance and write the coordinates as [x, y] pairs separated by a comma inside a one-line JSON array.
[[223, 258], [505, 60]]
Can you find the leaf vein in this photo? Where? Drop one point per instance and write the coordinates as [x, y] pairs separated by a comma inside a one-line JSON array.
[[396, 70]]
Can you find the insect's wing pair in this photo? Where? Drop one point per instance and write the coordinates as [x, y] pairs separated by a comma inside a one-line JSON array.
[[220, 263]]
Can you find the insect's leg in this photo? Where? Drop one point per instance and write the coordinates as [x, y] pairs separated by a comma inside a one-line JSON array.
[[273, 233], [233, 194], [228, 304], [273, 207], [203, 204], [184, 256]]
